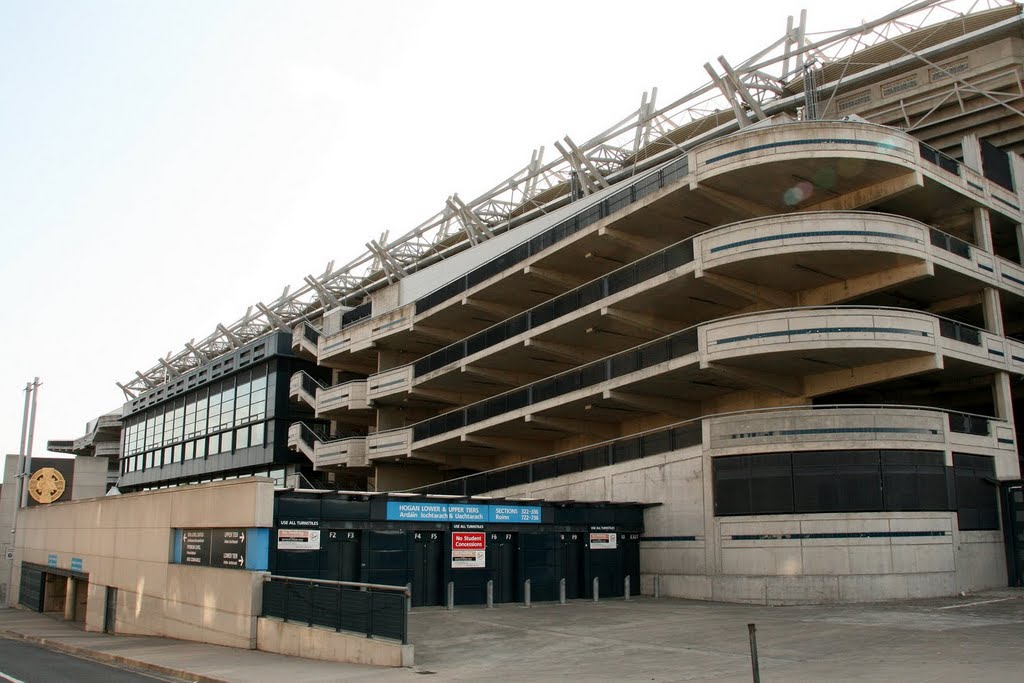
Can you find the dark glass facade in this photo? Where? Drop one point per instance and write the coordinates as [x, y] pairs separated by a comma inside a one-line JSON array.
[[233, 425]]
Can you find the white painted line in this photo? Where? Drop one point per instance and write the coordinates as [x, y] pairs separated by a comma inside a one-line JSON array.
[[980, 602], [10, 679]]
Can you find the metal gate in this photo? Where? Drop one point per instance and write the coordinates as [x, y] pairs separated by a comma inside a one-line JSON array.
[[110, 610]]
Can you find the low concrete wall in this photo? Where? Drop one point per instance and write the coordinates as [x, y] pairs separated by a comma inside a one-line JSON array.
[[313, 642], [125, 543]]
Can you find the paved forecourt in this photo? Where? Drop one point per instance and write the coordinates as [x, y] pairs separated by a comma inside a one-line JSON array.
[[975, 637]]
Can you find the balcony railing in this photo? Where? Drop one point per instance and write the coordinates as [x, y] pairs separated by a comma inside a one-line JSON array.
[[619, 280], [683, 435], [943, 161], [636, 191], [672, 346]]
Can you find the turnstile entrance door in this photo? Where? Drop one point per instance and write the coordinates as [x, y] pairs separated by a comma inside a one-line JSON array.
[[344, 555], [1015, 533], [426, 568], [501, 557], [570, 563]]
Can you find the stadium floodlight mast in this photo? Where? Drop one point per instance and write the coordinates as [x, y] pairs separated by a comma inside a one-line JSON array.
[[735, 97]]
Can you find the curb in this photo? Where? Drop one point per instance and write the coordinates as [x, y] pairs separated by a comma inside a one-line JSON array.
[[105, 658]]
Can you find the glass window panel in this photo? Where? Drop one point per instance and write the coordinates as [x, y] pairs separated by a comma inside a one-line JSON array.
[[201, 448], [190, 450], [259, 383], [226, 441], [213, 445], [278, 476], [242, 437], [256, 435]]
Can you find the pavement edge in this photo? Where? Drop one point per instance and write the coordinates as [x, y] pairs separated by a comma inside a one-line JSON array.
[[106, 658]]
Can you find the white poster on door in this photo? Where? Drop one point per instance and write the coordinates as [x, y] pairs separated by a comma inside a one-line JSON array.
[[298, 539]]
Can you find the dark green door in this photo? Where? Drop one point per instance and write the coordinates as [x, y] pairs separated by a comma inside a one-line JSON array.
[[1015, 533]]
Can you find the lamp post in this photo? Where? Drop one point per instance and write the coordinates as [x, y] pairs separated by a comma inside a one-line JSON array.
[[28, 428]]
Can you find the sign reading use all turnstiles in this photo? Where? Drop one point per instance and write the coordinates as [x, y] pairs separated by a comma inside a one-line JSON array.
[[469, 549]]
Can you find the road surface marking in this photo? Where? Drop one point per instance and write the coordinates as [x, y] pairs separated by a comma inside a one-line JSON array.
[[972, 604]]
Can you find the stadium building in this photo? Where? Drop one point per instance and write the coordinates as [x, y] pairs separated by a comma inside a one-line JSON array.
[[786, 311]]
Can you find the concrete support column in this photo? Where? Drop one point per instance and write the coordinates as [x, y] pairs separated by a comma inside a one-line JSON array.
[[1017, 173], [70, 599], [982, 229], [1002, 396], [972, 152], [993, 311]]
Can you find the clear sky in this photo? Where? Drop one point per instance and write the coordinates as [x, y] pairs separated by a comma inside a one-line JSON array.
[[164, 165]]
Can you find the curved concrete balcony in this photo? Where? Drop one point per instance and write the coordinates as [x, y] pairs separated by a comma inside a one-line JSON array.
[[302, 387], [107, 449], [795, 354], [806, 166], [818, 428], [816, 165], [353, 348], [346, 452], [342, 400], [304, 340], [324, 452], [391, 444], [816, 258], [391, 382], [346, 402]]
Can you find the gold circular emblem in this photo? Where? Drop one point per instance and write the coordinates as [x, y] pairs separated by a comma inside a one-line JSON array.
[[46, 485]]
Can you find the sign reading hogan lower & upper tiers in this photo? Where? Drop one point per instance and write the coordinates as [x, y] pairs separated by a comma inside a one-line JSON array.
[[462, 512]]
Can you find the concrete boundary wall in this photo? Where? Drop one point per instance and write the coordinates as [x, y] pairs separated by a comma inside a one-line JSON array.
[[313, 642], [125, 543], [785, 558]]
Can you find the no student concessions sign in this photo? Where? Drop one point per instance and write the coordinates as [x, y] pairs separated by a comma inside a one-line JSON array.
[[469, 549]]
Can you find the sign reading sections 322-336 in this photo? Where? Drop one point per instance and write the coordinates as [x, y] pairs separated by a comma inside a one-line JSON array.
[[399, 511]]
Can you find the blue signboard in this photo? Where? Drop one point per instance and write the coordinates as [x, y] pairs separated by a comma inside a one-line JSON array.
[[76, 564], [51, 560], [462, 512], [418, 512], [515, 514]]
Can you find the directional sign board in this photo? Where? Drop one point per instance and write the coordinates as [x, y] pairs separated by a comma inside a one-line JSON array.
[[228, 548], [213, 548], [195, 547]]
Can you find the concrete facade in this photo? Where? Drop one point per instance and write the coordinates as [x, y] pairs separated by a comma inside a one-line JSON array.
[[832, 307], [871, 290], [125, 543], [783, 559]]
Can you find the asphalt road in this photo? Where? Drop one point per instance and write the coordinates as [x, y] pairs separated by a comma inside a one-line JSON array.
[[22, 662]]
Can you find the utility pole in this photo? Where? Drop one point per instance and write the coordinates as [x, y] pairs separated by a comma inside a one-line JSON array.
[[28, 428]]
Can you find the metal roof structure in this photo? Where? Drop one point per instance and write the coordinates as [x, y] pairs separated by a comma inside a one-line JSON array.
[[770, 81]]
